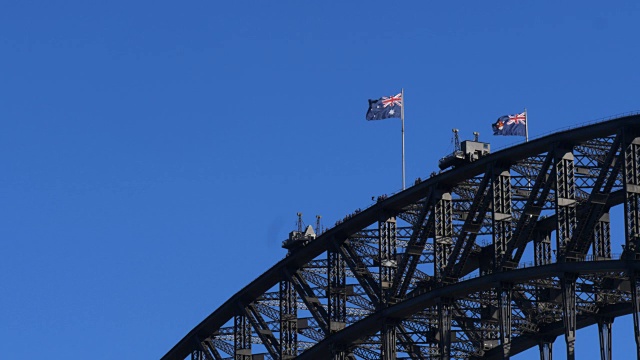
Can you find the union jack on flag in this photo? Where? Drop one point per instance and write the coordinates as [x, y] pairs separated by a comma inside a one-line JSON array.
[[385, 107], [511, 125], [392, 100], [517, 119]]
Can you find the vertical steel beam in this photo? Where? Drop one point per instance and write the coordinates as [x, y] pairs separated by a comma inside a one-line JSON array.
[[241, 338], [339, 354], [546, 349], [568, 285], [444, 328], [602, 238], [504, 303], [634, 278], [443, 232], [388, 338], [501, 214], [632, 197], [604, 329], [387, 255], [542, 248], [336, 291], [542, 256], [565, 198], [288, 321]]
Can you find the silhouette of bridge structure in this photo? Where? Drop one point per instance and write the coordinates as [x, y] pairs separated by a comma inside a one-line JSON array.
[[481, 261]]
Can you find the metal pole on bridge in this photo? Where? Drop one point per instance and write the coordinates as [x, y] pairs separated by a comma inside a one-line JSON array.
[[402, 118], [526, 126]]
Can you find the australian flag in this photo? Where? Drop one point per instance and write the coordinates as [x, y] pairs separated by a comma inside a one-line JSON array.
[[385, 107], [511, 125]]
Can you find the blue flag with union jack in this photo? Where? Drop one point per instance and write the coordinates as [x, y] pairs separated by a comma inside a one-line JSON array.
[[511, 125], [385, 107]]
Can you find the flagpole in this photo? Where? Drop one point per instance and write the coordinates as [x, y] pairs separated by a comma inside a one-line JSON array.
[[526, 126], [402, 118]]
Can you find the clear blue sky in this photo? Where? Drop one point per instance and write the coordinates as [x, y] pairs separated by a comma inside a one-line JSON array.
[[154, 154]]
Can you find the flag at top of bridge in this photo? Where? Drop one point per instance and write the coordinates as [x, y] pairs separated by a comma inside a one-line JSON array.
[[511, 125], [385, 107]]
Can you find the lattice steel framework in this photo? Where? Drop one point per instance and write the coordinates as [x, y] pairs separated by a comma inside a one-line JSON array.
[[460, 266]]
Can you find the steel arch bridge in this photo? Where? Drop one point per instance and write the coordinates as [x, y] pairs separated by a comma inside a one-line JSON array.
[[482, 261]]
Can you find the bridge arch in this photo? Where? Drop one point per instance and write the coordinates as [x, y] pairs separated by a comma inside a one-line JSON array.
[[481, 261]]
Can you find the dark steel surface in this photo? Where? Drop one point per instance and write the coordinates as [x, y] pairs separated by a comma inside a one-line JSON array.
[[571, 178]]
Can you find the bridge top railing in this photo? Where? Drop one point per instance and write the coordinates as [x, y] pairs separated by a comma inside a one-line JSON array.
[[570, 127], [537, 136]]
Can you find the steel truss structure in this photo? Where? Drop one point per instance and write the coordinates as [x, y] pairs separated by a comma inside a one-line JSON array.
[[482, 261]]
